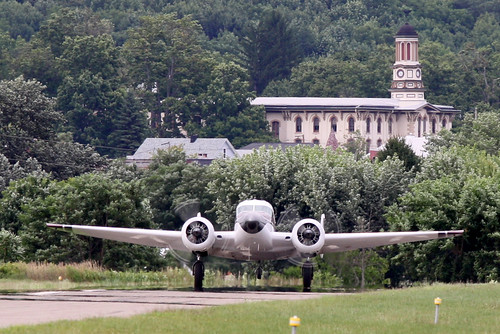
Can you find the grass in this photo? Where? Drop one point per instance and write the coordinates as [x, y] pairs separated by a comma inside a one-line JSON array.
[[465, 309]]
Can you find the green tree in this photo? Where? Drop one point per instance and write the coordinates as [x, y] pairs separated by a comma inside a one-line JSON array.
[[271, 49], [166, 62], [172, 181], [397, 147], [11, 248], [458, 188]]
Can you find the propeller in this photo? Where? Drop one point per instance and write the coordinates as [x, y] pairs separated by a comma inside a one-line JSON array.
[[197, 232], [187, 209], [308, 234]]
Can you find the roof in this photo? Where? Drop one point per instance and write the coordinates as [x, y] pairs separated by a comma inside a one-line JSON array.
[[207, 148], [321, 102], [407, 30], [279, 104]]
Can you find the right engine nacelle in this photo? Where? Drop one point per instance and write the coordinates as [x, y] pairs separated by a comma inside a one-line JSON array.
[[308, 237], [198, 234]]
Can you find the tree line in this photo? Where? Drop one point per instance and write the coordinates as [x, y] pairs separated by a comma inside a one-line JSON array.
[[191, 66], [456, 187]]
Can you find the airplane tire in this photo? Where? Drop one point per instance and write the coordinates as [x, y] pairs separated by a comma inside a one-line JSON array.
[[259, 273], [199, 274], [307, 276]]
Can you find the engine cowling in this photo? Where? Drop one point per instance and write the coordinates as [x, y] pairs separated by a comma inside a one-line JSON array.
[[308, 237], [198, 234]]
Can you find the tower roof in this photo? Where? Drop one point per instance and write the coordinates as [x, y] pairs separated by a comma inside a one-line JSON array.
[[407, 30]]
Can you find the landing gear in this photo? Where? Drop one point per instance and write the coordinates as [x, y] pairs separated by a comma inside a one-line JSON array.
[[307, 275], [199, 274], [258, 272]]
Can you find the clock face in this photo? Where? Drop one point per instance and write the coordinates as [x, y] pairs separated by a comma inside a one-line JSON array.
[[418, 73], [400, 73]]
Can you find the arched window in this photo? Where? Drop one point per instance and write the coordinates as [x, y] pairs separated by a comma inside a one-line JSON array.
[[379, 142], [368, 144], [433, 125], [425, 125], [443, 123], [334, 124], [316, 124], [351, 124], [419, 127], [379, 125], [408, 54], [390, 125], [275, 128], [402, 51], [298, 124], [368, 124], [316, 141]]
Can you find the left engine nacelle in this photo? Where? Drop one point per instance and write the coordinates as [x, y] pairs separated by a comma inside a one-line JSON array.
[[308, 237], [198, 234]]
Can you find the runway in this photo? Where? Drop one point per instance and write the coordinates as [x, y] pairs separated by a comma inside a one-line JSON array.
[[48, 306]]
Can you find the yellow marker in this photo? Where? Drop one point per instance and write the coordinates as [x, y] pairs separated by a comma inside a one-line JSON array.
[[295, 321], [437, 302]]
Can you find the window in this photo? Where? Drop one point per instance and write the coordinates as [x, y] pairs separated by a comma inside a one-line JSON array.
[[379, 142], [316, 124], [275, 127], [334, 124], [433, 125], [351, 124], [390, 125], [379, 125], [419, 127], [298, 140], [298, 124], [316, 141], [408, 57], [368, 144], [368, 123], [443, 124], [425, 125]]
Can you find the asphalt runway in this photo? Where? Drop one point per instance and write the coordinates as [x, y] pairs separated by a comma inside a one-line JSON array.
[[42, 307]]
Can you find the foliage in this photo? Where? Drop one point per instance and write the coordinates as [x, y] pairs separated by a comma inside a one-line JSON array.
[[397, 147], [310, 180], [171, 181], [458, 188], [11, 249]]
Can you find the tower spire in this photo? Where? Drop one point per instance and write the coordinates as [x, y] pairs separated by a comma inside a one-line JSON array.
[[407, 84]]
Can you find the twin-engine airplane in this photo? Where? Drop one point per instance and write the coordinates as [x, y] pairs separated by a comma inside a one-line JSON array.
[[254, 239]]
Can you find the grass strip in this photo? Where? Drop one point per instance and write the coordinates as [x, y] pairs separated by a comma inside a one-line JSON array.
[[465, 309]]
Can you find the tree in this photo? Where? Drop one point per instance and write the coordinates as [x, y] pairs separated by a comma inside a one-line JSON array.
[[227, 111], [11, 249], [28, 123], [457, 188], [95, 199], [171, 181], [165, 62], [270, 49], [397, 147]]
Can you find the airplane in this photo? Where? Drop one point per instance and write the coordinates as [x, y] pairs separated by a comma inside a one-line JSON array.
[[254, 239]]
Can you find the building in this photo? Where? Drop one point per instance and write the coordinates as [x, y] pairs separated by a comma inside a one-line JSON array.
[[200, 150], [330, 121]]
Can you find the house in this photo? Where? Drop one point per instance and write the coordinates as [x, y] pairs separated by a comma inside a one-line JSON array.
[[199, 150], [331, 121]]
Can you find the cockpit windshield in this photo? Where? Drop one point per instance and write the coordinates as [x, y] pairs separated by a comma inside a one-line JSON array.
[[255, 206]]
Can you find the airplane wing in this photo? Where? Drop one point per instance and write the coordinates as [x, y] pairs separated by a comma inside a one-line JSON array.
[[340, 242], [155, 238]]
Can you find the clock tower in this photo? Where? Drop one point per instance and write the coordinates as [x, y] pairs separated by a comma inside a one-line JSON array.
[[407, 85]]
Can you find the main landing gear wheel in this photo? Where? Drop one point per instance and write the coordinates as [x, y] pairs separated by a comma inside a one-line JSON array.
[[307, 275], [259, 272], [199, 274]]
